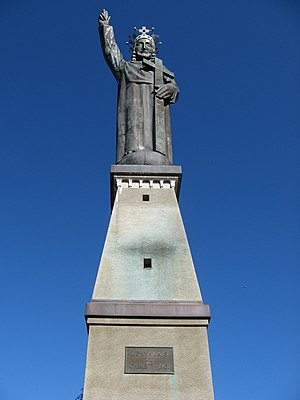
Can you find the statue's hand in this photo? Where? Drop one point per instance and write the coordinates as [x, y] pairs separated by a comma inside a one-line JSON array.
[[166, 91], [103, 18]]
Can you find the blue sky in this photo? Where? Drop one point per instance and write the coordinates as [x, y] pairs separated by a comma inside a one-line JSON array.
[[236, 135]]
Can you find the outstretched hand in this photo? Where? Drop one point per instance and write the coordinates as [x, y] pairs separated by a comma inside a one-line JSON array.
[[103, 18], [166, 91]]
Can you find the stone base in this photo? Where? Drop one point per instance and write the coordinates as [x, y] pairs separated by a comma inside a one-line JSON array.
[[146, 296], [105, 377]]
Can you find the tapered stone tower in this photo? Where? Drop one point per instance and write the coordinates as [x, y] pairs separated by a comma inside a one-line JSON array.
[[147, 323]]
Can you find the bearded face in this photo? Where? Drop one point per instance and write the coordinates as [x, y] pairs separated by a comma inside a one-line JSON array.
[[144, 48]]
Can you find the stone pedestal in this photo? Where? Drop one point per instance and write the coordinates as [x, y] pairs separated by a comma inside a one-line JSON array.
[[147, 322]]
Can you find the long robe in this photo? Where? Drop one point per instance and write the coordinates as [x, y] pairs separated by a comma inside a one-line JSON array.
[[136, 104]]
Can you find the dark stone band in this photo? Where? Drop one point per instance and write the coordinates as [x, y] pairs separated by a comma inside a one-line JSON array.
[[146, 170], [147, 309]]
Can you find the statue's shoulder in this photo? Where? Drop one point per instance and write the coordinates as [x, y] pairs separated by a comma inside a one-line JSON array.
[[133, 64], [168, 72]]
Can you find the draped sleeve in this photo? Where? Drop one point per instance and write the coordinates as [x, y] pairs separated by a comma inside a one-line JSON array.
[[111, 51]]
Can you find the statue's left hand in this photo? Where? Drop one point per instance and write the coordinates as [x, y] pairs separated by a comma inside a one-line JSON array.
[[166, 91]]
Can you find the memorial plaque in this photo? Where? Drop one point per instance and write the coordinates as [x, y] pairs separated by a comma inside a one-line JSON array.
[[149, 360]]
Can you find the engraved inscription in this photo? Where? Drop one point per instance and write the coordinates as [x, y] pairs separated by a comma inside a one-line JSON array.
[[149, 360]]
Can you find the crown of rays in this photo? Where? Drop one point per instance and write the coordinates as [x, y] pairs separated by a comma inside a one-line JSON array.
[[143, 33]]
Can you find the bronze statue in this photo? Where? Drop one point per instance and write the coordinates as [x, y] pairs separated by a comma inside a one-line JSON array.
[[146, 88]]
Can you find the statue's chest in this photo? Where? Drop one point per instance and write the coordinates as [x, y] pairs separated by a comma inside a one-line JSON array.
[[136, 72]]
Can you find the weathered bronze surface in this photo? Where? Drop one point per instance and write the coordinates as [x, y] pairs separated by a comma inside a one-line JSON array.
[[149, 360], [146, 88]]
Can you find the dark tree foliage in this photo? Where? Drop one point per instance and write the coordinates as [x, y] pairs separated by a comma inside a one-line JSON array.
[[80, 396]]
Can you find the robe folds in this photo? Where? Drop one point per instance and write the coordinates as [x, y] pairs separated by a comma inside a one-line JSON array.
[[137, 107]]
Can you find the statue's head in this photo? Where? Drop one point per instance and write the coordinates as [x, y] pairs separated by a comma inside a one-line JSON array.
[[143, 45], [144, 48]]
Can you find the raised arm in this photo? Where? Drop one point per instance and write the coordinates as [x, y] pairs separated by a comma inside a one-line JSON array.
[[109, 46]]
